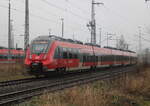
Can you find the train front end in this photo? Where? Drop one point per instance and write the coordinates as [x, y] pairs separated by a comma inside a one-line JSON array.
[[37, 55]]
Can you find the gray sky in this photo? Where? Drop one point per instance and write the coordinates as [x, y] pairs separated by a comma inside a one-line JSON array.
[[120, 17]]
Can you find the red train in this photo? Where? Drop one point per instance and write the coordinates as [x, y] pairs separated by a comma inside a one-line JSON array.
[[51, 53], [16, 55]]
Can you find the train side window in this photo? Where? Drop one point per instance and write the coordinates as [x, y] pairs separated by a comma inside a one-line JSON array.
[[84, 58], [75, 54], [123, 58], [106, 58], [112, 58], [5, 57], [1, 56], [60, 50], [13, 56], [117, 58], [81, 57], [99, 58], [56, 55], [96, 58], [88, 58], [93, 58], [70, 55], [65, 53]]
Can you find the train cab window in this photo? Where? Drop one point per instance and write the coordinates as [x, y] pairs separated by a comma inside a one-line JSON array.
[[40, 46], [65, 55]]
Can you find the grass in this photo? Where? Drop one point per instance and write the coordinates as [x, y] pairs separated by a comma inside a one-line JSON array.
[[13, 72], [128, 90]]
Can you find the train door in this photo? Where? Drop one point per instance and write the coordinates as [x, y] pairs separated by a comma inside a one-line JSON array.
[[96, 60], [72, 58], [81, 60], [84, 59], [58, 55]]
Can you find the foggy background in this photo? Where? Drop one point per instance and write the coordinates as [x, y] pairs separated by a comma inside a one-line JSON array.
[[119, 17]]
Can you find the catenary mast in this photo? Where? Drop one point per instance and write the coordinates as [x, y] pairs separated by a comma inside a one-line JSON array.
[[26, 36]]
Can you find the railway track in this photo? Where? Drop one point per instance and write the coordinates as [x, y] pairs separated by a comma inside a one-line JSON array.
[[16, 82], [21, 81], [30, 89]]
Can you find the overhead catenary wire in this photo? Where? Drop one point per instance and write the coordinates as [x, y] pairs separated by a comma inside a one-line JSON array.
[[47, 19], [62, 9], [50, 13], [33, 15], [40, 17]]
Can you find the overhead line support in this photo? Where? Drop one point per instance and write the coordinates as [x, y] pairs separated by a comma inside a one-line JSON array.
[[92, 23], [9, 30], [26, 35]]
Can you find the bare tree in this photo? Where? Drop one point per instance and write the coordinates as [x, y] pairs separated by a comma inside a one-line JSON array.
[[121, 44]]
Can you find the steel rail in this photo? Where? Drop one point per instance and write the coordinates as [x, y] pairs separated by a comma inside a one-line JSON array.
[[20, 81], [60, 84], [26, 80], [16, 82]]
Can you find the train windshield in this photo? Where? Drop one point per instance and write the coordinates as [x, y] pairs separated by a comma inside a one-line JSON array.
[[39, 47]]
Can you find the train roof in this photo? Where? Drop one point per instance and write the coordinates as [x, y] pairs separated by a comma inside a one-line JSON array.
[[53, 37], [1, 47], [119, 49]]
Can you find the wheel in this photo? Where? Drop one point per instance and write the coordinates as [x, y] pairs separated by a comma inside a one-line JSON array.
[[61, 70]]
